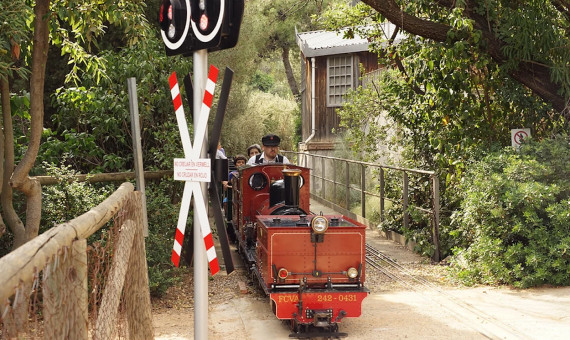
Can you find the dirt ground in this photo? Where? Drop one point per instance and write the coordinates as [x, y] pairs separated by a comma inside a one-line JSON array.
[[417, 302]]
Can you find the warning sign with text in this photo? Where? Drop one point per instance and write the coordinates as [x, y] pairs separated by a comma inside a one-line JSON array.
[[193, 170]]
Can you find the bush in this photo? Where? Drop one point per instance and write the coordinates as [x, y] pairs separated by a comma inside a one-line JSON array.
[[68, 199], [162, 221], [514, 220]]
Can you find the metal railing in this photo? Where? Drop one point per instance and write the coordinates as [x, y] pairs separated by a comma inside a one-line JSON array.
[[331, 175]]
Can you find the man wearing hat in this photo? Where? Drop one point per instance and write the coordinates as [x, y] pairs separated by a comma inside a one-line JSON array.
[[270, 152]]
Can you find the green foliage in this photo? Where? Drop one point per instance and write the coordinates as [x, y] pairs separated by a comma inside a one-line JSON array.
[[92, 127], [93, 120], [447, 100], [262, 113], [262, 82], [440, 115], [68, 199], [282, 18], [541, 35], [76, 29], [514, 221], [163, 206], [14, 35]]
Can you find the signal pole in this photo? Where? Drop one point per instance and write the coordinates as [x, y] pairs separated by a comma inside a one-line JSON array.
[[197, 26], [200, 260]]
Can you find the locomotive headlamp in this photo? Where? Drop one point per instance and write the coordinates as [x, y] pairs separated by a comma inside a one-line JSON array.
[[283, 273], [352, 273], [320, 224]]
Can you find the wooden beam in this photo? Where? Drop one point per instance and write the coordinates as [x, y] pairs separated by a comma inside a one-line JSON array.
[[106, 177]]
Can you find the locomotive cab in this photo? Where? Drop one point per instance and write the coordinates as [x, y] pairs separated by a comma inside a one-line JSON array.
[[267, 190]]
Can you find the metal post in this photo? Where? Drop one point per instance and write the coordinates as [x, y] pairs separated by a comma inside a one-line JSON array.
[[137, 148], [313, 173], [334, 183], [382, 195], [200, 259], [405, 201], [435, 188], [323, 182], [363, 189], [347, 187]]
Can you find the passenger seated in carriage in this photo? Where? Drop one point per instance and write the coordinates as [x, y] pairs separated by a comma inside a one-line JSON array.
[[270, 152], [253, 150]]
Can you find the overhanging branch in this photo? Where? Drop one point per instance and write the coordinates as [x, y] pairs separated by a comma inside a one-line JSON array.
[[529, 74]]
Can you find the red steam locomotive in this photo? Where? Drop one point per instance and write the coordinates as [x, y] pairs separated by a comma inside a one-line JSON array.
[[311, 266]]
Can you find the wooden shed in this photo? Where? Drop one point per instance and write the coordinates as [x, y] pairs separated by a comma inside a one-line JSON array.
[[330, 66]]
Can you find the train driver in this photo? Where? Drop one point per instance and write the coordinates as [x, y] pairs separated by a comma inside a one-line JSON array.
[[270, 152]]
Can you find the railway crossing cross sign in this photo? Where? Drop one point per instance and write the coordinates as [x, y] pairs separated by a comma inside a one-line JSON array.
[[193, 169]]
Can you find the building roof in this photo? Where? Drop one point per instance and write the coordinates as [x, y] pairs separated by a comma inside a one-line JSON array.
[[321, 43]]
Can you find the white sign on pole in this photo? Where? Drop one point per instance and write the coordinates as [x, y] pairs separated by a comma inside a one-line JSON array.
[[518, 135], [193, 170]]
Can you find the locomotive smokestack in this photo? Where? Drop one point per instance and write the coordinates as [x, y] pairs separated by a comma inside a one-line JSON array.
[[291, 179]]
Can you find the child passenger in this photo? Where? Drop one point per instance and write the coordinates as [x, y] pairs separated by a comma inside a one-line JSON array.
[[239, 161]]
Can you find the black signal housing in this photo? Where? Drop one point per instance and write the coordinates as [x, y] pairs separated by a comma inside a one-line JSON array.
[[192, 25]]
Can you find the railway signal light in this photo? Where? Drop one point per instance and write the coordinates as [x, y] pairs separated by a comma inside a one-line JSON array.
[[174, 19], [191, 25]]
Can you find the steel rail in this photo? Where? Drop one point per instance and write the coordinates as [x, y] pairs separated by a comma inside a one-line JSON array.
[[404, 276]]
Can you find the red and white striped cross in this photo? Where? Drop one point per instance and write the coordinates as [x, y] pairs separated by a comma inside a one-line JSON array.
[[193, 169]]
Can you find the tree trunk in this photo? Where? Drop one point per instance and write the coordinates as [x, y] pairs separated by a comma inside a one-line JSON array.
[[5, 97], [10, 216], [20, 179], [529, 74], [289, 72]]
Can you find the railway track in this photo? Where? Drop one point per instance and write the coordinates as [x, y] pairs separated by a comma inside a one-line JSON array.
[[452, 307]]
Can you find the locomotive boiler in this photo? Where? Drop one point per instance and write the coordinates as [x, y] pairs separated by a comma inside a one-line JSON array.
[[311, 266]]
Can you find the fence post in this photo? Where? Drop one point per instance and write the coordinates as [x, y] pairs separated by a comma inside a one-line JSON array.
[[381, 195], [347, 186], [405, 201], [53, 296], [80, 290], [363, 189], [435, 202], [137, 292]]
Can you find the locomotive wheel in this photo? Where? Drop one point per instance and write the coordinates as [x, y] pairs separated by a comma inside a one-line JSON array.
[[308, 331], [294, 326]]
